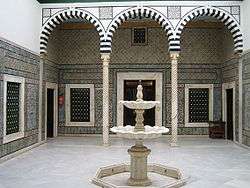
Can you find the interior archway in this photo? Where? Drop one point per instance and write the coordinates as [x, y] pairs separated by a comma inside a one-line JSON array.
[[212, 12], [63, 16]]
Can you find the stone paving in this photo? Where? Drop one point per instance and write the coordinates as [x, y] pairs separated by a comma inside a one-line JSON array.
[[71, 162]]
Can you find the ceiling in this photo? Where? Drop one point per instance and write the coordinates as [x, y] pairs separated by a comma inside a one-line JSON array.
[[90, 1]]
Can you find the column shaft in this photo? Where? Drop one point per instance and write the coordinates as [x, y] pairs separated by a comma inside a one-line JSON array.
[[174, 97], [105, 60], [42, 59]]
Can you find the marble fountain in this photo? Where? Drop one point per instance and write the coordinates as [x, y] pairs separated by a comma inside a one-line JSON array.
[[138, 167]]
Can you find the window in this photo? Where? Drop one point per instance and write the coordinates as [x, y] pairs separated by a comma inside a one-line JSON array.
[[198, 104], [13, 108], [139, 36], [79, 105]]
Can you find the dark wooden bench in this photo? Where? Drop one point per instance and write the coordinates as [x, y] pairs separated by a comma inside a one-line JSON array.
[[216, 129]]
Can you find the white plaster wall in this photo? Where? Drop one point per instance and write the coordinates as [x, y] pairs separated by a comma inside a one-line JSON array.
[[246, 23], [20, 22]]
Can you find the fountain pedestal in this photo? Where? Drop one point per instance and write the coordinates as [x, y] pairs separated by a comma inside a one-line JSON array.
[[138, 165]]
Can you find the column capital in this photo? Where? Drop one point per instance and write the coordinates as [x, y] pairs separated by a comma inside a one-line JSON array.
[[174, 55], [105, 57], [43, 56]]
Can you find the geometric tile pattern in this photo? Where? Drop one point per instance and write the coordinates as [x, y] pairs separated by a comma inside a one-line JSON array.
[[46, 12], [64, 15], [17, 61], [77, 49], [174, 12], [1, 109], [79, 62], [134, 12], [230, 16], [219, 14], [105, 13], [230, 71], [31, 91], [246, 98], [235, 10], [208, 48]]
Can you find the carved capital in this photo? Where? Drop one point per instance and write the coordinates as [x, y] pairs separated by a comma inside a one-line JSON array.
[[43, 55], [105, 58], [174, 56]]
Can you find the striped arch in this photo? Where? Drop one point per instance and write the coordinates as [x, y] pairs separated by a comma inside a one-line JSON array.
[[132, 13], [64, 15], [228, 20]]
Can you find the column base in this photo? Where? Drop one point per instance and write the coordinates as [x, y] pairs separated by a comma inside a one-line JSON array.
[[143, 182], [106, 144], [172, 144]]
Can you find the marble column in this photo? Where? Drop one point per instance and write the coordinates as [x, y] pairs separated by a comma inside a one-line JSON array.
[[105, 119], [42, 59], [240, 99], [174, 97]]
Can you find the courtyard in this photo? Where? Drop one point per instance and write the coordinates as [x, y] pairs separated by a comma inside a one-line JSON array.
[[73, 161], [156, 92]]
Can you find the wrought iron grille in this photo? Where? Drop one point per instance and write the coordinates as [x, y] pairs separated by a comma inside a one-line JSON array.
[[139, 36], [80, 104], [198, 105], [12, 107]]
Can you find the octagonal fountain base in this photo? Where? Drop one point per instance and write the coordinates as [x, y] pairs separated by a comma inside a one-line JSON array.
[[138, 169], [161, 176]]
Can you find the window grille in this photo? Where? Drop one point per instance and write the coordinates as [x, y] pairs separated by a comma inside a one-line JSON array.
[[139, 36], [79, 104], [198, 105], [12, 107]]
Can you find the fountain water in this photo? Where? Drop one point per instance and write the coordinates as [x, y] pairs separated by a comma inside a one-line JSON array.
[[138, 167]]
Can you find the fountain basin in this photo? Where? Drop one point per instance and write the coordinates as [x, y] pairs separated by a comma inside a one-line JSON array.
[[103, 177], [149, 133], [140, 105]]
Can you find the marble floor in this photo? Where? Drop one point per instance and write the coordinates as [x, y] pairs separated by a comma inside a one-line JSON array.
[[71, 162]]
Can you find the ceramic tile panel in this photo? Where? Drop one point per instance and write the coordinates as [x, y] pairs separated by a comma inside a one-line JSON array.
[[78, 60], [246, 98], [174, 12], [20, 62], [105, 13]]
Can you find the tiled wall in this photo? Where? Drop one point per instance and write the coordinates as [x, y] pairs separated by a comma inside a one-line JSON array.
[[246, 99], [201, 62], [51, 75], [230, 73], [19, 62]]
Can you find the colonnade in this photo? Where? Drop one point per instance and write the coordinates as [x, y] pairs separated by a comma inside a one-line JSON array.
[[174, 97]]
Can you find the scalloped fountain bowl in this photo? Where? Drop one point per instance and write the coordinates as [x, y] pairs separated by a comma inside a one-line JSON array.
[[149, 133], [140, 105], [138, 167]]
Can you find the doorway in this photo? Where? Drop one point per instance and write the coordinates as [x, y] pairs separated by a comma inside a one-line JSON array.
[[51, 110], [50, 113], [157, 77], [229, 119], [130, 91], [228, 109]]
